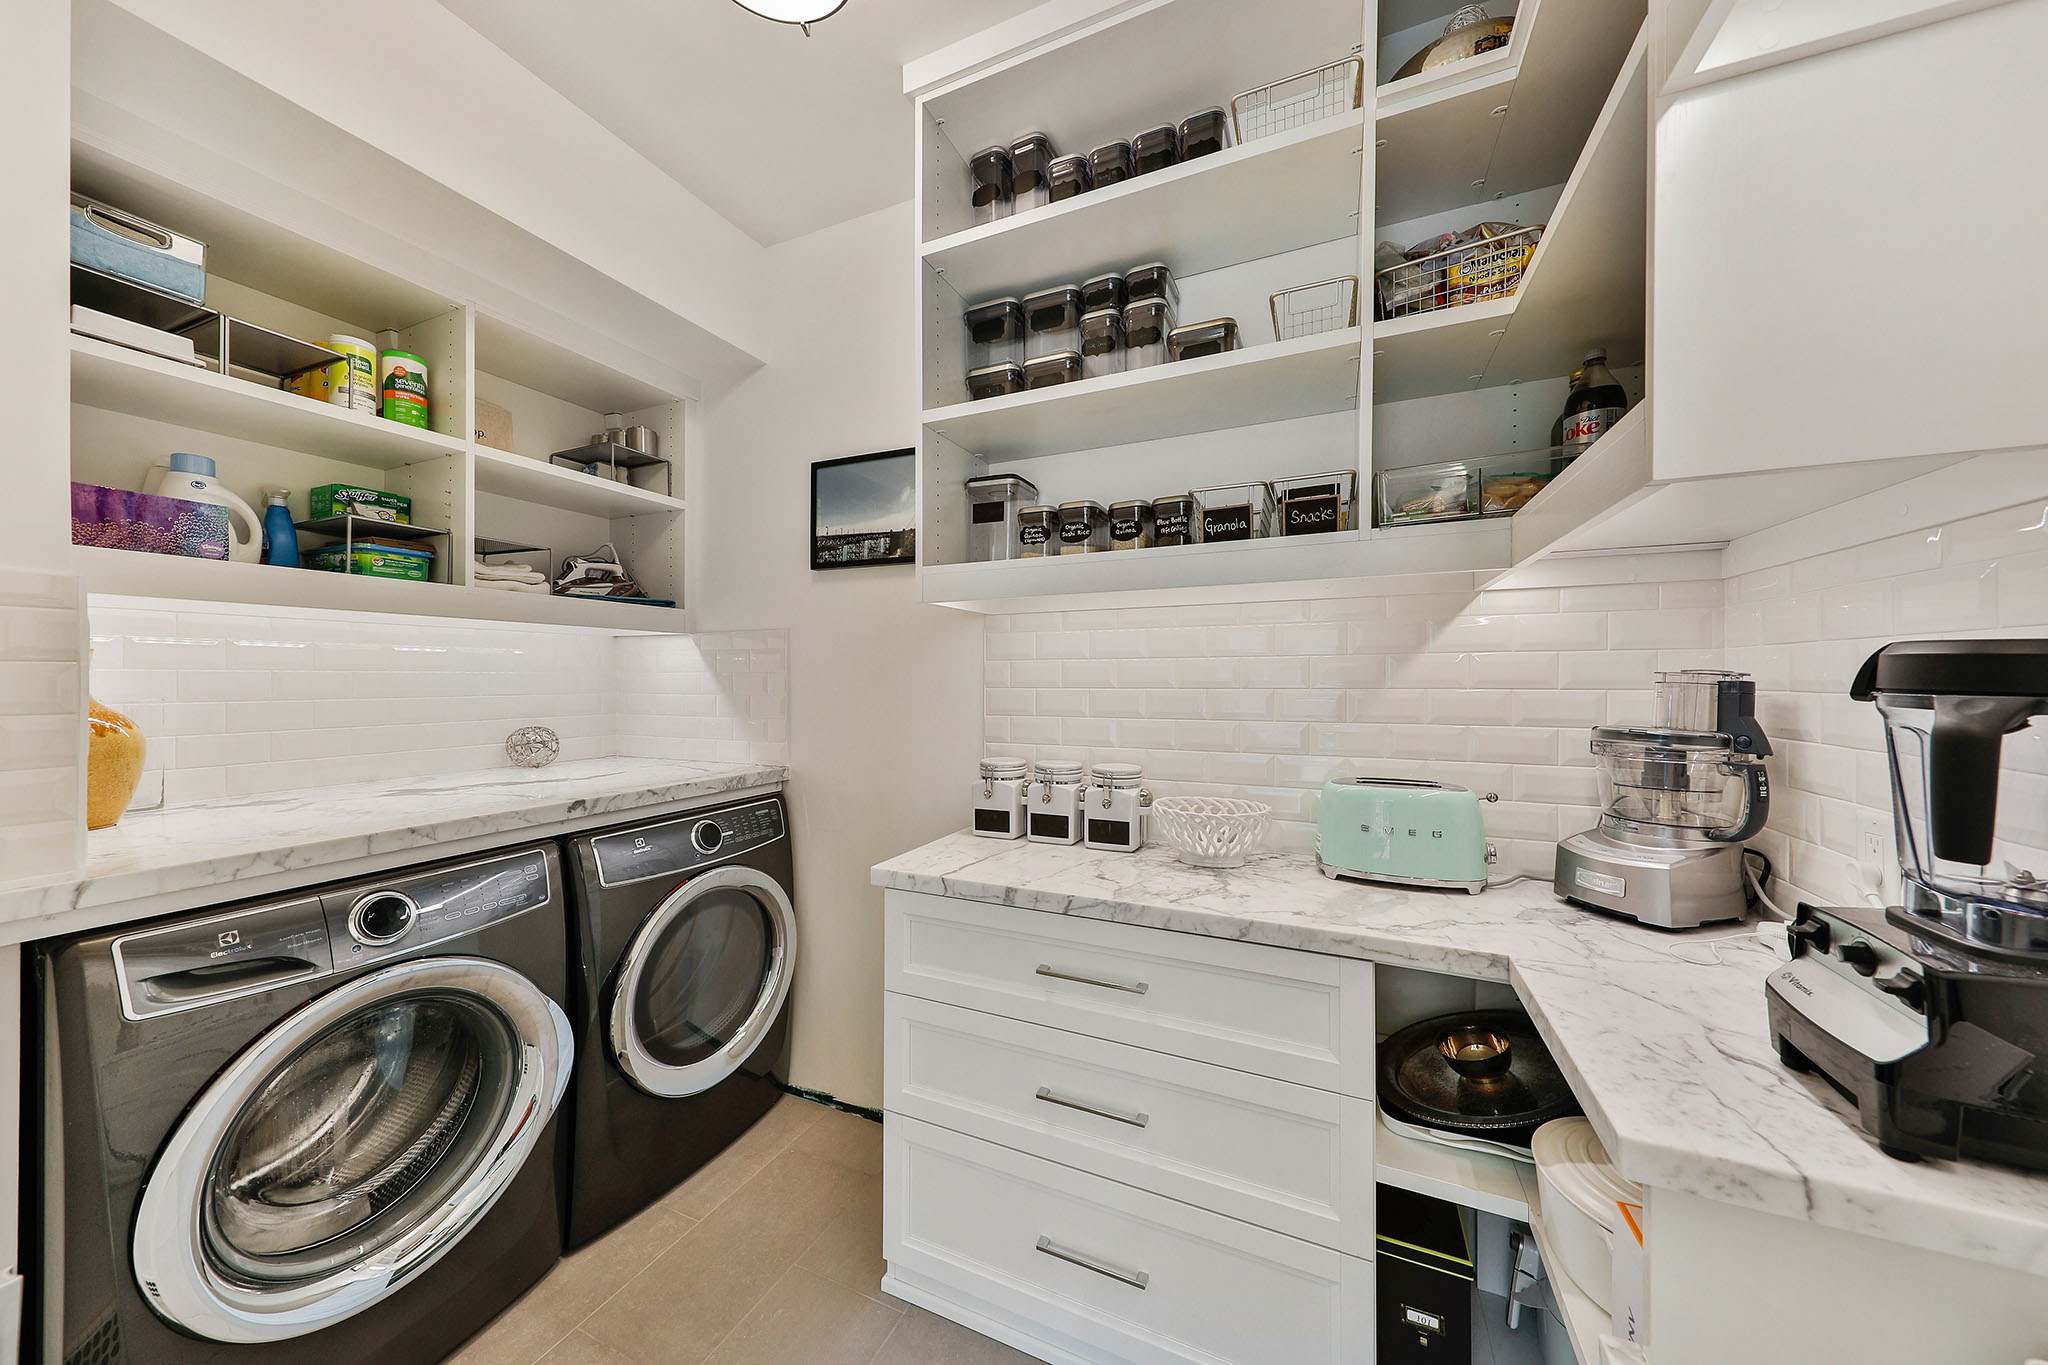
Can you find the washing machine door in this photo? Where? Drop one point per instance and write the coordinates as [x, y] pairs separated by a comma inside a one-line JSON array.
[[349, 1148], [700, 985]]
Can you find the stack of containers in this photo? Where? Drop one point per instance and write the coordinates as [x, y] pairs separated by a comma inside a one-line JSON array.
[[1030, 173]]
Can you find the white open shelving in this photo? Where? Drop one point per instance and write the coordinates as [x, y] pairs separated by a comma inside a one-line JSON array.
[[554, 485], [1474, 1179]]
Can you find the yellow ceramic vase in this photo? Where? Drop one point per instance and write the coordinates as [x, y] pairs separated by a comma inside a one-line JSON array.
[[113, 766]]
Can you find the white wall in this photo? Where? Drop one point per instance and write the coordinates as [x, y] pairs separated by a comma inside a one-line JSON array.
[[884, 705]]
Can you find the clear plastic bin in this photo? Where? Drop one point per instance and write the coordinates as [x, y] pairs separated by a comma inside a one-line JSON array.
[[1491, 486], [1130, 525], [995, 333], [993, 194], [1053, 321], [993, 502], [1234, 511], [1155, 149], [1031, 158], [1102, 343], [1070, 175], [1199, 339], [1314, 503], [1104, 291], [995, 381], [1045, 371], [1038, 532], [1205, 133], [1173, 519], [1084, 528], [1147, 323], [1111, 163]]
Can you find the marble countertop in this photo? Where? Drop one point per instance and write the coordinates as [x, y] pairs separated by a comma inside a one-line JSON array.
[[214, 844], [1663, 1036]]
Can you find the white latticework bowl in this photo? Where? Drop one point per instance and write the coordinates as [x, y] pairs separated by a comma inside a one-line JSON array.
[[1210, 831]]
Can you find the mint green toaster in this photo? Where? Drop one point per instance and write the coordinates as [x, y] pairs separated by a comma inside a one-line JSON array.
[[1406, 830]]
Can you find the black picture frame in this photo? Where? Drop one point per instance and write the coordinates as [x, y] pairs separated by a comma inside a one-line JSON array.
[[846, 488]]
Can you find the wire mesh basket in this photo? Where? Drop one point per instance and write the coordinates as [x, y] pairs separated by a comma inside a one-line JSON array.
[[1306, 309], [1485, 268], [1298, 100]]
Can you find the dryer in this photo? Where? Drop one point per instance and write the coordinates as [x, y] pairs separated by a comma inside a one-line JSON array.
[[319, 1127], [686, 943]]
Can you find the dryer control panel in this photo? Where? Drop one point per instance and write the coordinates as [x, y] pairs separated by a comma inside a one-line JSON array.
[[686, 842]]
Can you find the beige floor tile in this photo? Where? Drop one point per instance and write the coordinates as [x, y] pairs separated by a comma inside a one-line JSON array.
[[844, 1139], [579, 1348], [808, 1320], [739, 1163], [849, 1248], [927, 1339], [698, 1290]]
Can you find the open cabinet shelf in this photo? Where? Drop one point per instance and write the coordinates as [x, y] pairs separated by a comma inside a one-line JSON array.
[[1473, 1179], [530, 480]]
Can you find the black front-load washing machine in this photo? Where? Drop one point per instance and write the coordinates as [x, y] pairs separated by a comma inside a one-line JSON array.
[[319, 1127], [686, 943]]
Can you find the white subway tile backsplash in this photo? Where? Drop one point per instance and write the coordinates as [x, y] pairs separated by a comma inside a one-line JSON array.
[[1946, 601]]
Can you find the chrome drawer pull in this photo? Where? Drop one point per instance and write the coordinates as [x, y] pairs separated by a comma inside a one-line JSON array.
[[1120, 1115], [1138, 989], [1136, 1279]]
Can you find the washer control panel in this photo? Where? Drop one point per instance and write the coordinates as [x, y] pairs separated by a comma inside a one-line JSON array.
[[369, 922], [687, 842]]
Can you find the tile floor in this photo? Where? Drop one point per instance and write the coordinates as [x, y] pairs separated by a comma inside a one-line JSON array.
[[771, 1255]]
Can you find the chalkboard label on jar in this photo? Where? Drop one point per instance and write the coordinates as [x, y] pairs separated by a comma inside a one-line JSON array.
[[1125, 528], [1033, 533], [1051, 826], [1227, 523], [1115, 833], [1074, 532], [1169, 528], [988, 513], [988, 821], [1303, 516]]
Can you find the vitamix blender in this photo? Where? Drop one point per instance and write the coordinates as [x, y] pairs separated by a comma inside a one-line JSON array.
[[1932, 1016], [1679, 799]]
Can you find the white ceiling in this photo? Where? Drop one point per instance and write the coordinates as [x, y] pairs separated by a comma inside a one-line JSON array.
[[780, 133]]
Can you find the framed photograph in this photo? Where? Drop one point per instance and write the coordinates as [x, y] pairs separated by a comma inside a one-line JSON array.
[[864, 510]]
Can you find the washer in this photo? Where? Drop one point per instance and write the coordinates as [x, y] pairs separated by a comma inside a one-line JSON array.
[[313, 1128], [686, 940]]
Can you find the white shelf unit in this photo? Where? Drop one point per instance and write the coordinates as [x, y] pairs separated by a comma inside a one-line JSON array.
[[1263, 216], [131, 410], [1477, 1180]]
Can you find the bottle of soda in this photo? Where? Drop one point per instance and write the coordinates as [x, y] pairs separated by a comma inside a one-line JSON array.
[[1557, 427], [1596, 403]]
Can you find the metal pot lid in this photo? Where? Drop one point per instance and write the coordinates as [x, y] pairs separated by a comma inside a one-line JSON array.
[[1416, 1079]]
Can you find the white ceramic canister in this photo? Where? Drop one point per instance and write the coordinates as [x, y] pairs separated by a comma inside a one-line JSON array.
[[999, 798], [1053, 803], [1116, 808]]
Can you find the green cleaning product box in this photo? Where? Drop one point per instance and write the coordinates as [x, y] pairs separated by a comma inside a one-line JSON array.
[[376, 561], [345, 499]]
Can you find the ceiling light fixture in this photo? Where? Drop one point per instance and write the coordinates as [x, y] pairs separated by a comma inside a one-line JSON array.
[[802, 13]]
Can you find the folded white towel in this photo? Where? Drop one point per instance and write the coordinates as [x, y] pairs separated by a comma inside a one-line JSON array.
[[509, 573], [507, 586]]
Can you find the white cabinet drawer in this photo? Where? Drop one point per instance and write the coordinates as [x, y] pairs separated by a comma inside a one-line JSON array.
[[1103, 1272], [1287, 1157], [1294, 1016]]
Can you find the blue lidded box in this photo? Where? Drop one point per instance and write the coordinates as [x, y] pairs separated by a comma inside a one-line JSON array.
[[120, 244]]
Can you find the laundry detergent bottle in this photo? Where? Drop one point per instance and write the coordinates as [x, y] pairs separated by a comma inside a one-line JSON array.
[[280, 536], [193, 478]]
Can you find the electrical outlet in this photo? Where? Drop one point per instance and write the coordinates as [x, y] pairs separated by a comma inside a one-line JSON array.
[[1875, 866]]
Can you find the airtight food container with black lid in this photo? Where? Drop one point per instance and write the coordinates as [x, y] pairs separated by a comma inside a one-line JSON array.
[[1102, 343], [1070, 175], [1111, 163], [994, 381], [1052, 319], [1146, 325], [1042, 372], [1084, 528], [1031, 158], [993, 503], [1173, 519], [1104, 291], [1130, 525], [1204, 134], [1038, 532], [1151, 281], [995, 333], [992, 193], [1155, 149], [1198, 339]]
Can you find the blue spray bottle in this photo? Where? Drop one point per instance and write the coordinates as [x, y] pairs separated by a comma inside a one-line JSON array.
[[280, 537]]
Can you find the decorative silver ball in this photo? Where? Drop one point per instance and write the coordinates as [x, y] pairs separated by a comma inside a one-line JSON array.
[[532, 746]]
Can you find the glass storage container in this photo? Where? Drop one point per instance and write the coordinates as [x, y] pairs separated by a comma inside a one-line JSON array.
[[1084, 527], [1130, 525], [1173, 519], [1053, 319], [1070, 175], [1115, 811], [1313, 503], [1038, 532], [993, 192], [1053, 802], [1492, 486], [1204, 133], [1146, 324], [1102, 343], [1152, 281], [1031, 158], [1234, 511], [1199, 339], [1111, 163], [999, 797], [1048, 370], [1155, 149], [993, 504], [994, 381], [995, 333], [1104, 291]]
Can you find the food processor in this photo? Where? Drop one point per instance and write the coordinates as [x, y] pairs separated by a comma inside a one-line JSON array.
[[1678, 799], [1931, 1016]]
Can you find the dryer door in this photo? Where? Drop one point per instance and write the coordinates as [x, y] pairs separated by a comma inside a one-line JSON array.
[[349, 1148], [700, 985]]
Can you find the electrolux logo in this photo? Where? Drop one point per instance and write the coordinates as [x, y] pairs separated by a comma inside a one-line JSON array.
[[231, 938]]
